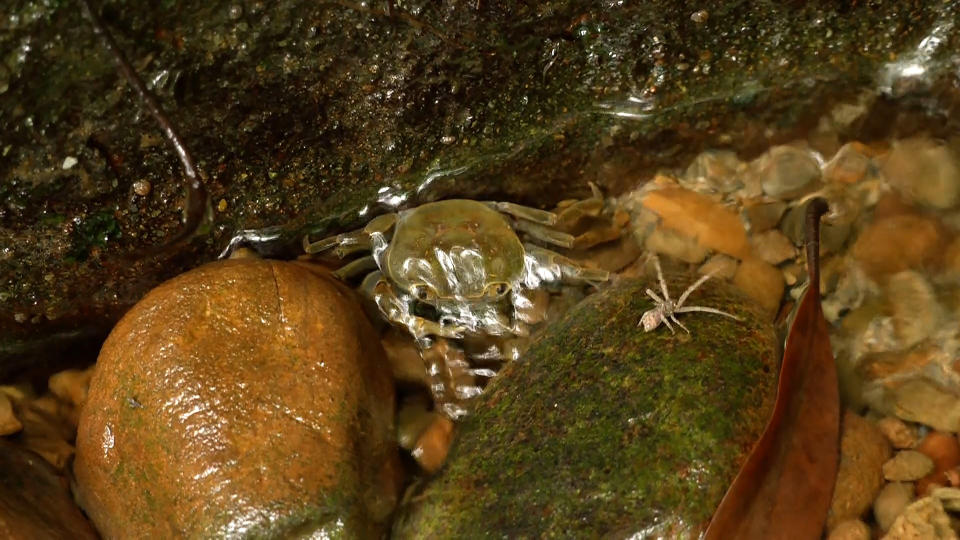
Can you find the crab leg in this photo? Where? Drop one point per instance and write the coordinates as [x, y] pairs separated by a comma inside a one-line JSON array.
[[397, 311], [545, 234], [565, 269], [356, 267], [519, 211], [353, 241]]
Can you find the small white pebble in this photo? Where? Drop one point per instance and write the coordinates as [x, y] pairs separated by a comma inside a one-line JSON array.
[[69, 162], [142, 187], [699, 17]]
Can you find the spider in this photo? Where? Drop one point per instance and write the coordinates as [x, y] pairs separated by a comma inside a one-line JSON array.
[[666, 309]]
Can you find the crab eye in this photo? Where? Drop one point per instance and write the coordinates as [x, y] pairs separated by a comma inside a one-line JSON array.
[[422, 292], [497, 290]]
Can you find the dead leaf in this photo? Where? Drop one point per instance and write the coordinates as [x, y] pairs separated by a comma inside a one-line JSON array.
[[784, 488]]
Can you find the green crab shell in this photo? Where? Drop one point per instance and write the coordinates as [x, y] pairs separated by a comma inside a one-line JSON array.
[[457, 247]]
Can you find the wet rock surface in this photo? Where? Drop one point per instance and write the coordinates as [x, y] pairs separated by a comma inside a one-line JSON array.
[[863, 451], [35, 501], [245, 397], [301, 114], [547, 452]]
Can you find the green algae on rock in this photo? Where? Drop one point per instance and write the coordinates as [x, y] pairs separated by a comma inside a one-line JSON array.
[[242, 398], [604, 429]]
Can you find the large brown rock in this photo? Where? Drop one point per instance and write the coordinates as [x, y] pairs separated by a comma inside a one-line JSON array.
[[244, 397]]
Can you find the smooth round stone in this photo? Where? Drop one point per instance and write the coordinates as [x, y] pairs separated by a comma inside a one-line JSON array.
[[601, 429], [243, 398]]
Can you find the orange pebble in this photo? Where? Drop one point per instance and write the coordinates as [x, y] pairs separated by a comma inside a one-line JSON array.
[[944, 449]]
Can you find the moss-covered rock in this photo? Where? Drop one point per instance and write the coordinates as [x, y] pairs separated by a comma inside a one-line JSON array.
[[602, 429], [243, 398]]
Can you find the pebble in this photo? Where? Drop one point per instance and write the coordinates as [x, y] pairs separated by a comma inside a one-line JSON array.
[[698, 216], [951, 259], [924, 519], [891, 501], [404, 358], [849, 165], [413, 418], [898, 243], [35, 501], [909, 385], [949, 497], [944, 450], [787, 171], [898, 432], [675, 245], [720, 267], [761, 216], [142, 187], [773, 247], [852, 529], [71, 385], [9, 423], [434, 444], [760, 281], [907, 466], [924, 171], [915, 310], [863, 450], [715, 170]]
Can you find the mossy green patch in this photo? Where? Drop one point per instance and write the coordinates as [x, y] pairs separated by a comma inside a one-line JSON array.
[[604, 429]]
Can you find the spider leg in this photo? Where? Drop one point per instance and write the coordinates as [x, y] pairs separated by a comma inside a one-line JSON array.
[[666, 321], [674, 319], [688, 309], [691, 288], [657, 299], [663, 284]]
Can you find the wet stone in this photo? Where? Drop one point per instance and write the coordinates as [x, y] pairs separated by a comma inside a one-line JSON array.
[[924, 171], [254, 396], [601, 429], [914, 307], [925, 519], [714, 170], [897, 243], [863, 450], [891, 501], [773, 247], [8, 419], [944, 450], [762, 216], [913, 385], [35, 501], [692, 214], [849, 165], [720, 266], [762, 282], [898, 432], [907, 466], [787, 171], [675, 245], [852, 529]]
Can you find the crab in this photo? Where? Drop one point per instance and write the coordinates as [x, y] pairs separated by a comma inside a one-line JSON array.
[[666, 310], [459, 260]]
